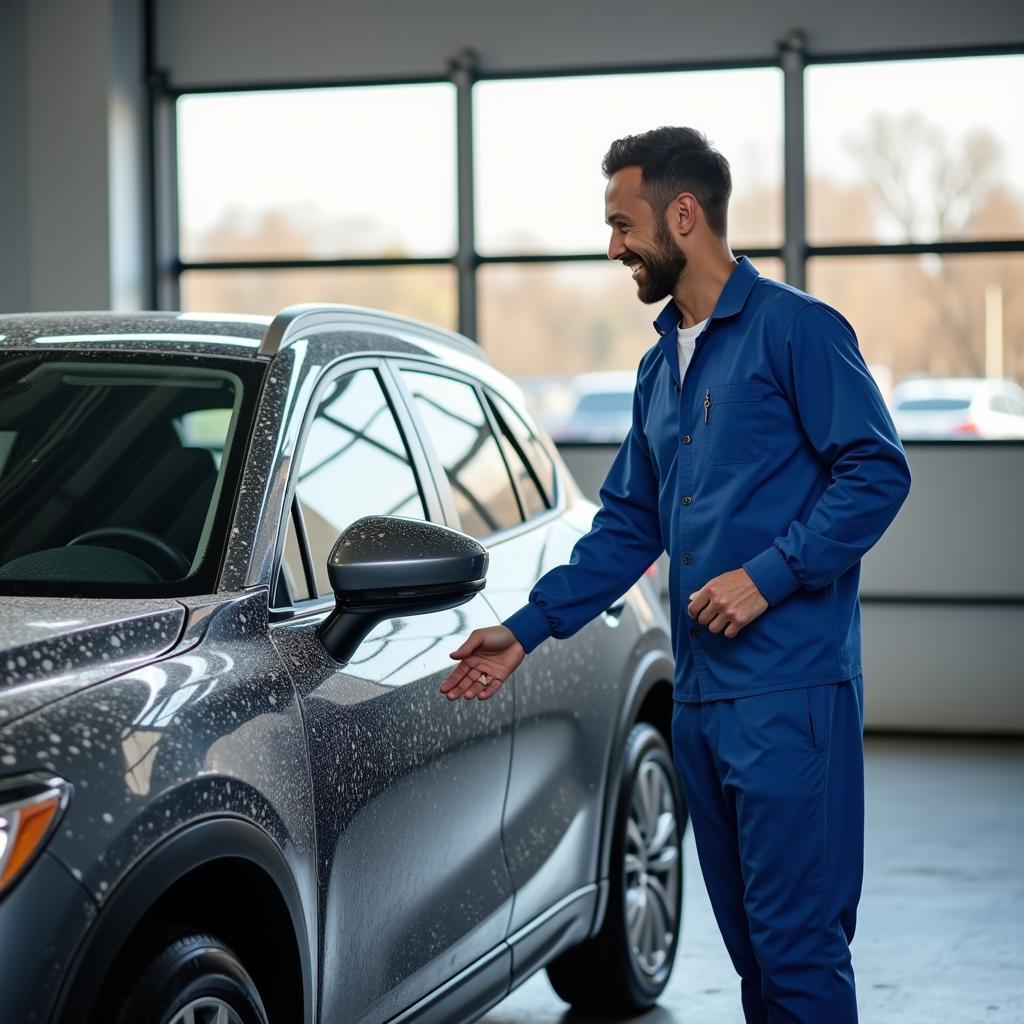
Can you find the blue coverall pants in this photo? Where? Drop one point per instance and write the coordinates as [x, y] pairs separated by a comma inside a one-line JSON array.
[[775, 787]]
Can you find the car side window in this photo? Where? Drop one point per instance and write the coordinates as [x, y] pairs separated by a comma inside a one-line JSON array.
[[354, 463], [530, 445], [457, 426], [530, 493]]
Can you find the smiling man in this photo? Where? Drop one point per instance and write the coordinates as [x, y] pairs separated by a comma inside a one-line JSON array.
[[763, 459]]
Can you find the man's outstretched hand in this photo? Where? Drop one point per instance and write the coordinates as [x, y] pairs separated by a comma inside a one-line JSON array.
[[494, 652]]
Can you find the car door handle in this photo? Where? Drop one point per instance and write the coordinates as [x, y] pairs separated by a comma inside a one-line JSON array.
[[613, 613]]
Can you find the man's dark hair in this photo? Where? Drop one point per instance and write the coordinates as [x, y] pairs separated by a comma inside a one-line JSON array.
[[674, 160]]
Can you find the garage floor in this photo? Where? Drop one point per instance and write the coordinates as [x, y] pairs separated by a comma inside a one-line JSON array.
[[941, 929]]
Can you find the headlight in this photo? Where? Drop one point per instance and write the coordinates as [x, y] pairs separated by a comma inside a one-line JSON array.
[[30, 807]]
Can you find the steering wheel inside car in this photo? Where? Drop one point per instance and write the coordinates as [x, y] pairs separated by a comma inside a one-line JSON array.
[[160, 554]]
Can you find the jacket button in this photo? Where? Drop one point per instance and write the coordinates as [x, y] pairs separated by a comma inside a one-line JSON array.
[[687, 501], [687, 559], [694, 632], [677, 387], [687, 439]]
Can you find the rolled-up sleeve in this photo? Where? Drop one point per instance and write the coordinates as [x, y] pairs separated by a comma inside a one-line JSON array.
[[845, 420], [624, 539]]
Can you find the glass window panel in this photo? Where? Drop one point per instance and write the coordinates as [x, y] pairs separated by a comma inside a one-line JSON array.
[[539, 145], [361, 172], [425, 293], [946, 320], [454, 420], [915, 151], [529, 490], [531, 446], [354, 463]]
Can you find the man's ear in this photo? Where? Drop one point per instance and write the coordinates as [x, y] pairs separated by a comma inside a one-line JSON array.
[[683, 213]]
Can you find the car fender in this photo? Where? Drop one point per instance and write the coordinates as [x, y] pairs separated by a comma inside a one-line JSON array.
[[206, 841]]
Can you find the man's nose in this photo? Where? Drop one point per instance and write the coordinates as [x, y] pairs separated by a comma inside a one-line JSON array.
[[616, 250]]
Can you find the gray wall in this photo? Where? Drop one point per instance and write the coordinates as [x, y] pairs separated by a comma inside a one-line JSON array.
[[938, 663], [72, 181]]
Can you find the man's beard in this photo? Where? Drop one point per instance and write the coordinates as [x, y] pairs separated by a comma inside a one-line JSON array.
[[662, 270]]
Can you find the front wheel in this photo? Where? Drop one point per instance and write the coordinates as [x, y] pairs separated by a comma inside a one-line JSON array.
[[626, 966], [181, 976]]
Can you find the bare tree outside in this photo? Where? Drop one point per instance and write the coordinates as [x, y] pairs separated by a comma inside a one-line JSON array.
[[927, 187]]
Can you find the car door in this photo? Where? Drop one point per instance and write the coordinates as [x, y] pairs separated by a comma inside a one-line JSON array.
[[408, 787], [567, 712], [566, 697]]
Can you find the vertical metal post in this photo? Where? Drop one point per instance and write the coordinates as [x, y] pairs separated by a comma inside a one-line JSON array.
[[166, 255], [462, 70], [792, 54], [162, 154]]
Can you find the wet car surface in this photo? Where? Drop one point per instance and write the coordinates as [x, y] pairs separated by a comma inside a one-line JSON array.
[[194, 762]]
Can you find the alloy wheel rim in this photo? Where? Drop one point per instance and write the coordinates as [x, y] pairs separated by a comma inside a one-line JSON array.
[[206, 1010], [651, 866]]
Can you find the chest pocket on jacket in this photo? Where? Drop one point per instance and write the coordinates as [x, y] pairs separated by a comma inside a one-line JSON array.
[[734, 430]]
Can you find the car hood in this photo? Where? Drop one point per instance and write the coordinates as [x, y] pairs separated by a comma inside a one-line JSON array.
[[50, 646]]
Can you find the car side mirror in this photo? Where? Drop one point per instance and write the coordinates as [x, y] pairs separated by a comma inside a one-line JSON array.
[[382, 566]]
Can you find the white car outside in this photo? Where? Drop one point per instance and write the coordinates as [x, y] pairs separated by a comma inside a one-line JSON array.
[[958, 408], [603, 408]]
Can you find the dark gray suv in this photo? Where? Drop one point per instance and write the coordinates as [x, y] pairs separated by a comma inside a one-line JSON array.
[[235, 554]]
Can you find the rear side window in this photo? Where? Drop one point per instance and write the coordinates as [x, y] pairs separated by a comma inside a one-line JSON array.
[[456, 425], [530, 493], [529, 444], [354, 463]]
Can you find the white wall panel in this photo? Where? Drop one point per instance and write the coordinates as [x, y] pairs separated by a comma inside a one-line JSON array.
[[935, 665]]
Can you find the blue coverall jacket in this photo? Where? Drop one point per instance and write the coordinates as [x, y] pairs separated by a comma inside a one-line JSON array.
[[776, 453]]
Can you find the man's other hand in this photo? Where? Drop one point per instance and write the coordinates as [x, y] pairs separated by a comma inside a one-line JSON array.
[[487, 658], [729, 602]]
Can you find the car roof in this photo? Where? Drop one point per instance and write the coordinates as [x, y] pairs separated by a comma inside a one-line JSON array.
[[214, 334]]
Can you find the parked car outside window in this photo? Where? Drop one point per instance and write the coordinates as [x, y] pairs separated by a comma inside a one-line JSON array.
[[958, 408]]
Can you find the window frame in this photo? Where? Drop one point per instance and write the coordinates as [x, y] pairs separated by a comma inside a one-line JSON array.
[[291, 510]]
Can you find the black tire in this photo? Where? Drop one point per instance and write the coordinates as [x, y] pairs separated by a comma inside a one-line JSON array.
[[170, 969], [608, 972]]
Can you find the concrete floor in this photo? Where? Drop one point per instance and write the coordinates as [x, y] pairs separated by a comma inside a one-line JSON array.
[[941, 928]]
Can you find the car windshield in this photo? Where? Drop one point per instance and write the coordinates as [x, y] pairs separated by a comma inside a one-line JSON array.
[[933, 404], [116, 475]]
